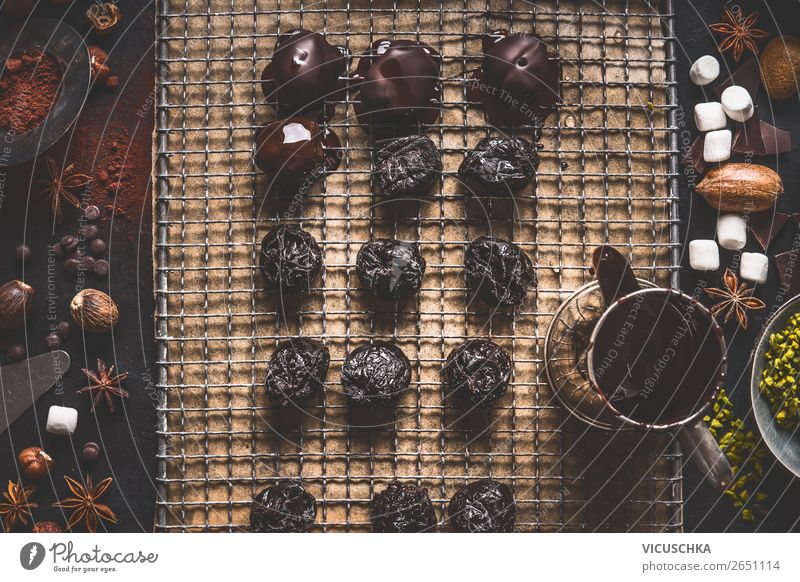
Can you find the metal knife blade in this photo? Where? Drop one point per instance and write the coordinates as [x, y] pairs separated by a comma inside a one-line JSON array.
[[22, 384]]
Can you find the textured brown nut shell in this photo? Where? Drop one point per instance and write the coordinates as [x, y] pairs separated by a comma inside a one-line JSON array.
[[16, 302], [34, 462], [741, 188], [94, 311], [780, 66]]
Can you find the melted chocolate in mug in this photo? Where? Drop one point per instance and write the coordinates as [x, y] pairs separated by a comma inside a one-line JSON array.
[[657, 359]]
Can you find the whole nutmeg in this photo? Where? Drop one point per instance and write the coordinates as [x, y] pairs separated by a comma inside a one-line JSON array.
[[741, 188], [35, 463], [46, 527], [780, 66], [94, 311], [16, 302], [97, 60]]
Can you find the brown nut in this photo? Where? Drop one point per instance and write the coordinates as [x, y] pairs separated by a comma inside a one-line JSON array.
[[94, 311], [780, 66], [97, 61], [46, 527], [35, 463], [741, 188], [16, 302], [104, 16]]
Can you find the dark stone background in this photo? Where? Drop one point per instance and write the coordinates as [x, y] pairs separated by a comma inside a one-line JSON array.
[[128, 438], [704, 509]]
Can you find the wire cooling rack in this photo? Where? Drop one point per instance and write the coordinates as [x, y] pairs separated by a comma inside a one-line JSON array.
[[607, 174]]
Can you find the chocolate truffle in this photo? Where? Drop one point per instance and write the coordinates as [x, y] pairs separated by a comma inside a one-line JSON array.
[[399, 87], [297, 370], [293, 151], [304, 73], [283, 508], [498, 271], [499, 167], [290, 259], [517, 82], [376, 374], [478, 371], [402, 508], [408, 167], [485, 506], [390, 269]]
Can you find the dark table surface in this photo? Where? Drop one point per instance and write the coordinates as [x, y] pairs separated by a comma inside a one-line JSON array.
[[128, 437]]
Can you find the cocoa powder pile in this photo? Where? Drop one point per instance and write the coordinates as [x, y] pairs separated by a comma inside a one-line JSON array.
[[29, 87]]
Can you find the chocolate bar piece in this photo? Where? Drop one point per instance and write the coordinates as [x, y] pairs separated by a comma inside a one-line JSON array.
[[765, 226], [788, 264], [693, 158], [756, 137], [747, 76]]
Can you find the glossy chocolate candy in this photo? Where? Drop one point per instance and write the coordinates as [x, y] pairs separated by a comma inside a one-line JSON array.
[[399, 87], [305, 73], [296, 151], [518, 81]]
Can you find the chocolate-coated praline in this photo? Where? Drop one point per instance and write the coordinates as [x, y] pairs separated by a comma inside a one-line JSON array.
[[304, 73], [499, 167], [293, 151], [399, 87], [290, 259], [498, 271], [485, 506], [518, 82]]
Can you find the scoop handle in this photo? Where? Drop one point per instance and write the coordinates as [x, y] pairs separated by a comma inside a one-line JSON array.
[[700, 445], [613, 273]]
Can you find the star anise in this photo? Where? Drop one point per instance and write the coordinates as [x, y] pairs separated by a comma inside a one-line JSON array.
[[734, 299], [104, 384], [738, 33], [17, 505], [85, 506], [58, 186]]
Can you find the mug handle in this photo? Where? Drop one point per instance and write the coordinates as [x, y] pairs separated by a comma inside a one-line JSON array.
[[701, 446]]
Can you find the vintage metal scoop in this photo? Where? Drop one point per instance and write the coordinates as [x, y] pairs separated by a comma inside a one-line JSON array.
[[622, 353], [22, 384]]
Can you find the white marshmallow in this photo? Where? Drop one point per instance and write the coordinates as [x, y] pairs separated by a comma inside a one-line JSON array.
[[731, 232], [709, 116], [737, 103], [704, 70], [703, 255], [62, 420], [754, 267], [717, 145]]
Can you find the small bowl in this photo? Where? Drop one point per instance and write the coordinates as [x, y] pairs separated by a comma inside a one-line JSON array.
[[63, 43], [784, 444]]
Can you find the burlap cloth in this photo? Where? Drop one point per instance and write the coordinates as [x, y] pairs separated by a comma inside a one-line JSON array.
[[603, 178]]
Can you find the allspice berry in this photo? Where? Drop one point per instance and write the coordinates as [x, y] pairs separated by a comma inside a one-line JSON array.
[[94, 311], [780, 66], [16, 302], [34, 462]]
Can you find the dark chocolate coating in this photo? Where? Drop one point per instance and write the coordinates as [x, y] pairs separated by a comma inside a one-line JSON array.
[[283, 508], [376, 374], [297, 370], [290, 259], [304, 72], [390, 268], [408, 166], [478, 371], [399, 86], [518, 82], [498, 271], [485, 506], [292, 151], [402, 508], [499, 167]]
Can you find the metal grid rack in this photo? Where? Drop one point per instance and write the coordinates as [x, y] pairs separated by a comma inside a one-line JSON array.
[[607, 174]]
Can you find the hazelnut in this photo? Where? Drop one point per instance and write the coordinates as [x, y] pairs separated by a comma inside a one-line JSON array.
[[46, 527], [16, 302], [35, 463], [91, 452], [94, 311]]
